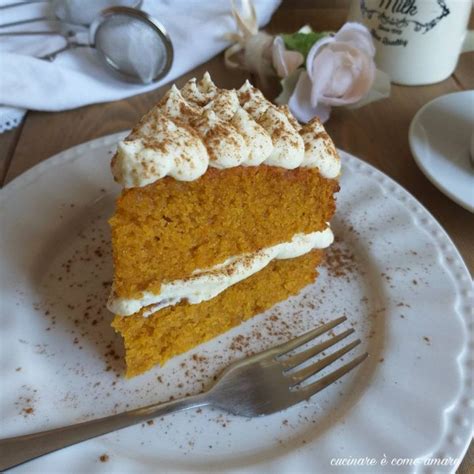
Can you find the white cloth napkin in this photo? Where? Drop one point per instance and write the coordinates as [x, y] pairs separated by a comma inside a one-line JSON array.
[[77, 77]]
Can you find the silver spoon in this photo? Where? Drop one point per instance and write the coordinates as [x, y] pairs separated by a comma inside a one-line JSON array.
[[135, 46]]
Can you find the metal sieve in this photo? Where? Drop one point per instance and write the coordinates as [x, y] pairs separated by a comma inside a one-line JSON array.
[[132, 43], [135, 46]]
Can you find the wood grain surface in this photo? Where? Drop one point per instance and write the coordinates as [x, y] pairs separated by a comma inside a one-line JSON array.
[[377, 133]]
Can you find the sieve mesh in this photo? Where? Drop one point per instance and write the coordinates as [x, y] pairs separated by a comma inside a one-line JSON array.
[[131, 46]]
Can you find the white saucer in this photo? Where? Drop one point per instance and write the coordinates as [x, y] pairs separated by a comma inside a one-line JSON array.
[[440, 136]]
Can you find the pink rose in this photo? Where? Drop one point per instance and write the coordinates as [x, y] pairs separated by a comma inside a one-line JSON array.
[[284, 61], [340, 70]]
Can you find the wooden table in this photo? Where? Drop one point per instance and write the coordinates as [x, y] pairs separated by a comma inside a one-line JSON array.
[[377, 133]]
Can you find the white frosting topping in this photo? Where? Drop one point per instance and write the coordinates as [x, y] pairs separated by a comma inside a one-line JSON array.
[[161, 148], [285, 110], [259, 143], [225, 104], [318, 149], [203, 126], [204, 285], [225, 145], [175, 107], [288, 146], [252, 100], [199, 93]]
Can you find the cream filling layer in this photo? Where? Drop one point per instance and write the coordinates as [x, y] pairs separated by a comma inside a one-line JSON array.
[[206, 284]]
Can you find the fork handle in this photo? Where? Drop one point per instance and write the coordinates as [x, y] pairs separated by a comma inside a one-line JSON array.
[[17, 450]]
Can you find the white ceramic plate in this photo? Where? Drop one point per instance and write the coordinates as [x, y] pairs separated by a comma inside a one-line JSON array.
[[440, 138], [401, 283]]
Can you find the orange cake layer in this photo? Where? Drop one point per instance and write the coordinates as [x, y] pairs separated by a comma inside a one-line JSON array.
[[176, 329], [168, 229]]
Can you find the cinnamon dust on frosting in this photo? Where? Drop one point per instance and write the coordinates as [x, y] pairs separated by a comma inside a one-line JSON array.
[[201, 126]]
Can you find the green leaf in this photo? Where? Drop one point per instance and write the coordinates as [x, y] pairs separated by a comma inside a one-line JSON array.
[[302, 42]]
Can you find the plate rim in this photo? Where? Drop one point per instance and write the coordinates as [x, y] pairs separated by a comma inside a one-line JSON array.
[[446, 445], [419, 161]]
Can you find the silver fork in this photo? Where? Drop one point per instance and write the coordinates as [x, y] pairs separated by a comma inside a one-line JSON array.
[[262, 384]]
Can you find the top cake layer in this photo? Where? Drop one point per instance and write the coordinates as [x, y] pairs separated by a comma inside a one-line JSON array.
[[202, 126], [170, 230]]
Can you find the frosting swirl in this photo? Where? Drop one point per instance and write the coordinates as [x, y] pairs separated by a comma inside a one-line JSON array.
[[225, 145], [320, 151], [288, 146], [158, 148], [258, 141], [201, 126], [199, 93]]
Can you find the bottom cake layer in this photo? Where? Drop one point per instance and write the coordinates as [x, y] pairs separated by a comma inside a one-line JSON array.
[[171, 331]]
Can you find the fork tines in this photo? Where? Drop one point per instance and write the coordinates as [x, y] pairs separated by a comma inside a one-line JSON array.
[[290, 363]]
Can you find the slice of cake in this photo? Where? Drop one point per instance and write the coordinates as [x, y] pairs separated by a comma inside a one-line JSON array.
[[224, 213]]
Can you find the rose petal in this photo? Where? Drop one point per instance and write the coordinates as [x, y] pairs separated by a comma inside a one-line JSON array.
[[343, 77], [288, 85], [300, 100], [380, 90], [358, 36], [294, 60], [362, 69], [278, 48], [300, 103], [322, 70], [313, 51], [341, 69], [323, 112], [284, 61], [366, 77]]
